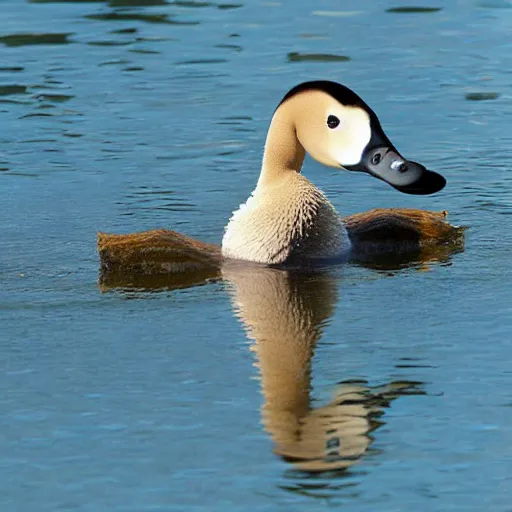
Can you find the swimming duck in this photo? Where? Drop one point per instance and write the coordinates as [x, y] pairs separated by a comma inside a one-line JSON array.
[[287, 220]]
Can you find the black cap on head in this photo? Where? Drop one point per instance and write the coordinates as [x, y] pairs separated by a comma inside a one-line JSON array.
[[380, 158]]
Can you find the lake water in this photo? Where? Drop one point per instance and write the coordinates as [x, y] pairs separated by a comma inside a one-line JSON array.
[[127, 115]]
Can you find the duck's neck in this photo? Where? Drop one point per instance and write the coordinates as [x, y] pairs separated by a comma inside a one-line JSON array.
[[283, 151]]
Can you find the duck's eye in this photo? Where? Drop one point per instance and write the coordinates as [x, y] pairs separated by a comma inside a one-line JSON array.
[[332, 122], [376, 158]]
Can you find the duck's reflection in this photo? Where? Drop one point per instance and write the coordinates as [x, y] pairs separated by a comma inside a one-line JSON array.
[[284, 313]]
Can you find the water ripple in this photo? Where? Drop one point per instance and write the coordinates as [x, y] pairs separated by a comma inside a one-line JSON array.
[[148, 18], [15, 40], [413, 9], [6, 90], [316, 57]]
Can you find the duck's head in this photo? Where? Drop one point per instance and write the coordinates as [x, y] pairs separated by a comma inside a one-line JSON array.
[[337, 128]]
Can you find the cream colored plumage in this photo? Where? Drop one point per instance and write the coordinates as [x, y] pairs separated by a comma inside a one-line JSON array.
[[287, 219]]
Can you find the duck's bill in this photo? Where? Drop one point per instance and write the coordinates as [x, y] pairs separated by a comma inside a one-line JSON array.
[[385, 163]]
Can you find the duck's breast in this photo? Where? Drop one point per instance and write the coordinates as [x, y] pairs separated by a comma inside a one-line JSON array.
[[289, 221]]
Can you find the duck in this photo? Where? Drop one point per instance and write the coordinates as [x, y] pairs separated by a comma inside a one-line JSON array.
[[287, 220]]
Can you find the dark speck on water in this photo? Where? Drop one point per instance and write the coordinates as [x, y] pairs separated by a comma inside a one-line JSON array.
[[364, 387]]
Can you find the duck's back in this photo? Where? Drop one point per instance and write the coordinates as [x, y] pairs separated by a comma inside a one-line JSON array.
[[286, 222]]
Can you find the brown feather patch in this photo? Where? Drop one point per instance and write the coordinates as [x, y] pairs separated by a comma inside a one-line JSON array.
[[374, 234], [156, 251], [400, 229]]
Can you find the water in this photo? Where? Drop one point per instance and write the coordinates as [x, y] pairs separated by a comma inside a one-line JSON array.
[[136, 114]]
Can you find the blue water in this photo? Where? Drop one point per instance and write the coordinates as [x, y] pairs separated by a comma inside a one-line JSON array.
[[133, 114]]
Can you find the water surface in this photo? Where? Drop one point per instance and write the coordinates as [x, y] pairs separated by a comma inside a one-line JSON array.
[[133, 114]]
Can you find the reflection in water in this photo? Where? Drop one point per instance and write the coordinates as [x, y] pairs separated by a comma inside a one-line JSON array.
[[284, 313], [421, 261]]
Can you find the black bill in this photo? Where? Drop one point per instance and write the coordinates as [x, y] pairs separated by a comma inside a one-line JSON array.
[[382, 160], [406, 176]]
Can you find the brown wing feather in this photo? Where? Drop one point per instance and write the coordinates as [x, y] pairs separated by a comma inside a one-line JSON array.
[[161, 251], [400, 229]]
